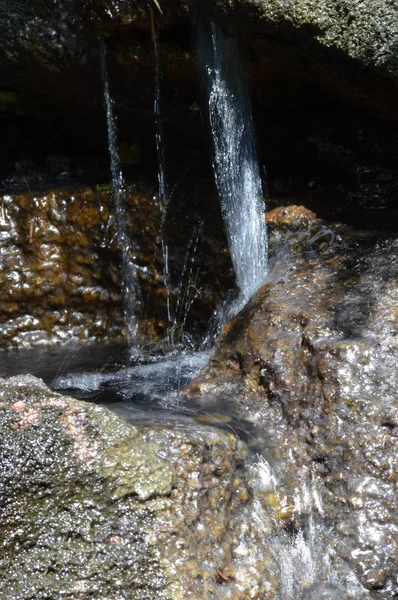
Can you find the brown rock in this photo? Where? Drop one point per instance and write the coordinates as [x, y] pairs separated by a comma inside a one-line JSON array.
[[312, 361]]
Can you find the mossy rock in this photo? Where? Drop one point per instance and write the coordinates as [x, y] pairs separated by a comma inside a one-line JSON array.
[[93, 507], [74, 481]]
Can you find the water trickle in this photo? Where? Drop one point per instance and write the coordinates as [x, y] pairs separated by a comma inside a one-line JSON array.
[[149, 385], [163, 198], [128, 270], [305, 562], [235, 161]]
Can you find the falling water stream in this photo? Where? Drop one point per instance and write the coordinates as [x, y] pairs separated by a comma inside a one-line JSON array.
[[163, 198], [128, 270], [235, 162]]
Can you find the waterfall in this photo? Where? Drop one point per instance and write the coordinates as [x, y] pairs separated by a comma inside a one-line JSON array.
[[128, 270], [235, 161]]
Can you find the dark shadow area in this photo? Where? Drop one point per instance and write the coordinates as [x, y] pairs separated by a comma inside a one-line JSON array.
[[327, 127]]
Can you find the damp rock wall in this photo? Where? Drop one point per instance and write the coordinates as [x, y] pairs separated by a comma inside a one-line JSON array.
[[60, 267]]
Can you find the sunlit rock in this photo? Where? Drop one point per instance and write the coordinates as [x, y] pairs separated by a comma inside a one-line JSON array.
[[312, 361]]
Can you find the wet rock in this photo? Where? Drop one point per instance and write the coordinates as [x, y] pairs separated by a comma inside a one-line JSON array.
[[75, 488], [55, 282], [365, 31], [92, 507], [60, 266], [327, 592], [312, 360]]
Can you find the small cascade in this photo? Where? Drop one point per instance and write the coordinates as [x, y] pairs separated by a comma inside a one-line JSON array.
[[301, 546], [128, 270], [163, 199], [235, 161]]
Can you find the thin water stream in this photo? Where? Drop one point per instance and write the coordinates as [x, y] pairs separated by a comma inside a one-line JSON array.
[[163, 197], [128, 269]]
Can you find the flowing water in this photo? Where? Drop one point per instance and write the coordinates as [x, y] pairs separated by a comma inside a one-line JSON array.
[[128, 269], [305, 562], [235, 160], [148, 383]]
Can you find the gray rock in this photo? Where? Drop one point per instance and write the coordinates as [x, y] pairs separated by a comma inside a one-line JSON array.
[[75, 485], [92, 507]]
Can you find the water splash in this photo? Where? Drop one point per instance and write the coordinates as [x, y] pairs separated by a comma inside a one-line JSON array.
[[128, 269], [235, 162], [141, 387]]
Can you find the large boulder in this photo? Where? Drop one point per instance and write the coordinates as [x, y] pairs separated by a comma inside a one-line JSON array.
[[92, 507], [312, 360]]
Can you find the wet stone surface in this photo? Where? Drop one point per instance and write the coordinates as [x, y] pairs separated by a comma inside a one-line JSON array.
[[55, 283], [74, 489], [92, 507], [60, 267], [312, 360]]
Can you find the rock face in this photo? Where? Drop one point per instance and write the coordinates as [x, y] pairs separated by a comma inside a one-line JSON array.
[[365, 31], [60, 266], [312, 360], [91, 507]]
